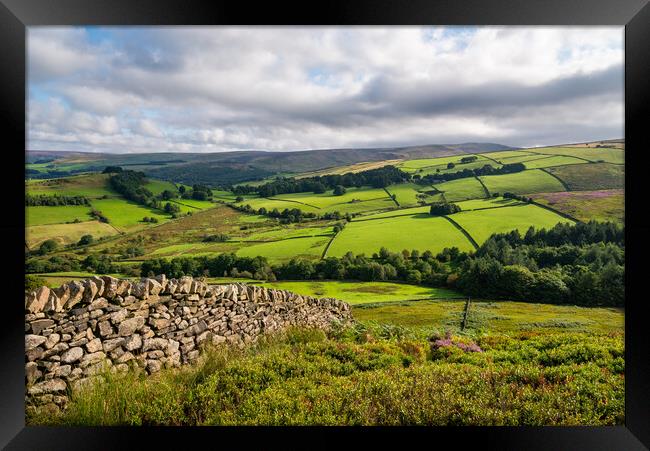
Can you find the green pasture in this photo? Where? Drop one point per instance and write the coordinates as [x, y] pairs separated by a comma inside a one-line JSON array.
[[420, 231], [588, 177], [492, 202], [66, 233], [461, 189], [158, 186], [532, 181], [92, 186], [547, 162], [125, 214], [356, 292], [40, 215], [483, 223], [505, 154], [285, 250], [407, 193], [607, 155]]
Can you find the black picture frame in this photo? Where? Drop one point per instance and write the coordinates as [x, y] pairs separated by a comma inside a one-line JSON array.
[[16, 15]]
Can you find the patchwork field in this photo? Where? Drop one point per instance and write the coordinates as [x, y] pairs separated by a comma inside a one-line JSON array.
[[607, 155], [420, 231], [588, 177], [285, 250], [67, 233], [56, 215], [533, 181], [92, 186], [462, 189], [550, 161], [127, 215], [602, 205], [483, 223]]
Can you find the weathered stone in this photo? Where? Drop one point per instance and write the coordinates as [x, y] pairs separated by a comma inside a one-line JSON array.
[[109, 345], [63, 371], [153, 286], [154, 343], [197, 328], [131, 325], [157, 354], [90, 291], [33, 341], [32, 373], [119, 316], [99, 283], [110, 287], [52, 340], [76, 294], [159, 323], [153, 366], [51, 386], [72, 355], [94, 357], [105, 328], [35, 302], [123, 288], [127, 356], [40, 324], [63, 293], [53, 303], [94, 345], [98, 303], [133, 342], [140, 290], [184, 285]]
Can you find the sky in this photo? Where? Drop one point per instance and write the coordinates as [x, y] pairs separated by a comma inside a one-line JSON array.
[[214, 89]]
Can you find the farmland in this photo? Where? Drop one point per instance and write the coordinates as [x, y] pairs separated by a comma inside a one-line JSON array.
[[433, 234], [402, 297], [602, 205], [531, 181]]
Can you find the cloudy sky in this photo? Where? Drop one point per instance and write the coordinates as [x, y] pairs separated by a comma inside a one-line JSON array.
[[210, 89]]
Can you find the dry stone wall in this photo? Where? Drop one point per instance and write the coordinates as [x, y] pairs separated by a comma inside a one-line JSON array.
[[75, 331]]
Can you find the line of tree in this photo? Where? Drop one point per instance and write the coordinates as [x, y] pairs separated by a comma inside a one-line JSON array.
[[378, 178], [291, 215], [55, 200], [466, 173]]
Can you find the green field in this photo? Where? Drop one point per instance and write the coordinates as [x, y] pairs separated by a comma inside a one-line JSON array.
[[158, 186], [286, 231], [497, 317], [532, 181], [483, 223], [285, 250], [607, 155], [355, 292], [588, 177], [492, 202], [462, 189], [56, 215], [505, 154], [92, 186], [125, 214], [67, 233], [419, 231], [603, 205], [547, 162]]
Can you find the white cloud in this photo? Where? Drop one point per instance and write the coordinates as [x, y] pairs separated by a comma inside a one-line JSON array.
[[284, 88]]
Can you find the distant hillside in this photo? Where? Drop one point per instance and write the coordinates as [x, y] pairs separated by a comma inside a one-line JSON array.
[[234, 167]]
